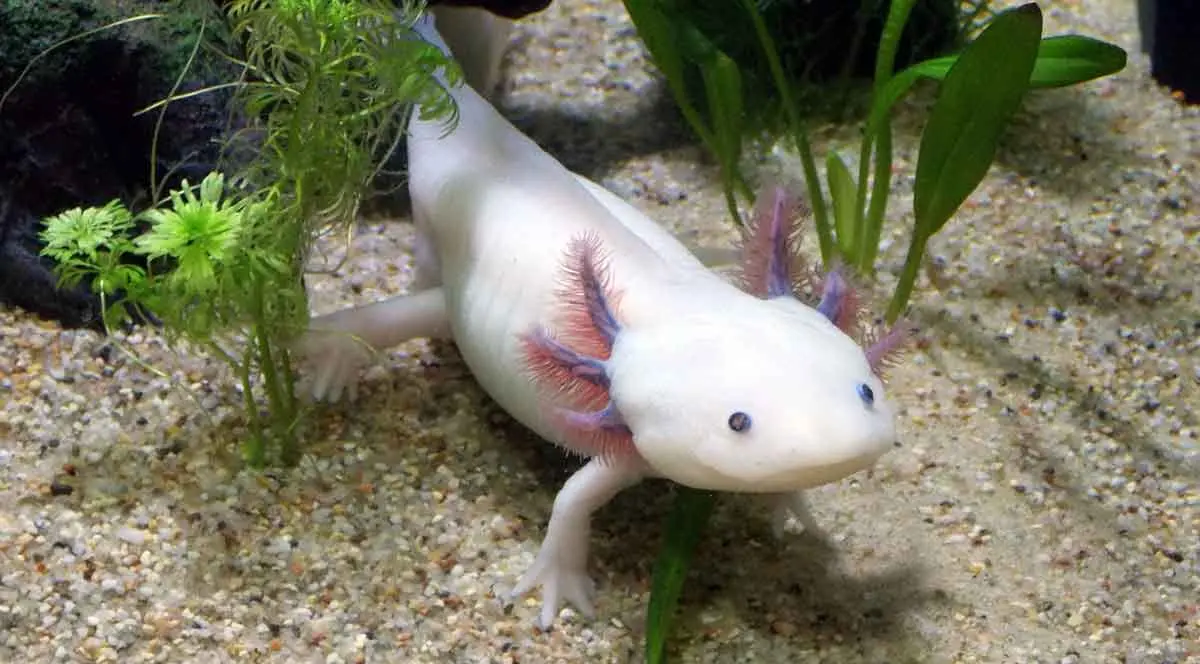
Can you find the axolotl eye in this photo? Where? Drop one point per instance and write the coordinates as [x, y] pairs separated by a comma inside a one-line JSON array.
[[739, 422], [866, 394]]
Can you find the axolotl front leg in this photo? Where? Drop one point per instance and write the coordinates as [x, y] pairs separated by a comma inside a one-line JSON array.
[[341, 343], [338, 345], [560, 567], [570, 368]]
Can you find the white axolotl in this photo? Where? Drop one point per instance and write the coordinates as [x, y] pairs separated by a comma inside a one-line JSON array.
[[596, 328]]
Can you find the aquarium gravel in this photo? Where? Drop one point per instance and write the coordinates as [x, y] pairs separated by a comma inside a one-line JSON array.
[[1044, 506]]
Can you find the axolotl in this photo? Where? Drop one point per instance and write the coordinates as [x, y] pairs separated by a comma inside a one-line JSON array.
[[599, 330]]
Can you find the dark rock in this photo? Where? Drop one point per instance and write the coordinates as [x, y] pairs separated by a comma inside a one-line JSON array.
[[513, 9], [69, 132], [60, 489], [1170, 30]]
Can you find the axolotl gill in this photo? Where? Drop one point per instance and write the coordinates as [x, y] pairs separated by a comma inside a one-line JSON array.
[[600, 331]]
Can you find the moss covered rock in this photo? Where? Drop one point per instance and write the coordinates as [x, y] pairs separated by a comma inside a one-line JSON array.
[[70, 134]]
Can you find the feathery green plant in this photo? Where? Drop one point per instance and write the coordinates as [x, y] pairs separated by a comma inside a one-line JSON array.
[[327, 77], [980, 89], [323, 89], [201, 268]]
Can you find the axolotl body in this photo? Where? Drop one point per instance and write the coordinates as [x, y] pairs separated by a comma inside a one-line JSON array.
[[601, 332]]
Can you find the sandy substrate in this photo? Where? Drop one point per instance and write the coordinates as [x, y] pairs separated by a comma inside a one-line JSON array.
[[1044, 506]]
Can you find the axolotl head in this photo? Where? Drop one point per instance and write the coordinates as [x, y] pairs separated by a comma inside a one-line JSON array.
[[719, 388], [750, 395]]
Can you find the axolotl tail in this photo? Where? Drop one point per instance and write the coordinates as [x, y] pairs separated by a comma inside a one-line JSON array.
[[478, 141]]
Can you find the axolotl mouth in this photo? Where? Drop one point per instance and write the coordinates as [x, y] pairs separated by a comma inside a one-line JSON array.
[[767, 477]]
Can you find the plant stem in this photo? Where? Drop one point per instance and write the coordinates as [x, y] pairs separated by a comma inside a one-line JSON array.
[[289, 380], [731, 204], [282, 409], [889, 41], [869, 235], [885, 64], [908, 278], [255, 449], [685, 524], [816, 198]]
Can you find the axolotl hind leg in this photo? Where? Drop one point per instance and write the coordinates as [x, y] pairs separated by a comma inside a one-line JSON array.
[[337, 346]]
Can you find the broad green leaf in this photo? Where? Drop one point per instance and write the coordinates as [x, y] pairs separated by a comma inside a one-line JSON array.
[[723, 85], [1061, 61], [670, 38], [1069, 59], [656, 32], [685, 524], [845, 198], [977, 98], [723, 91]]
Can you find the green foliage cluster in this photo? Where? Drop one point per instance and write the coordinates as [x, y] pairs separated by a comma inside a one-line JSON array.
[[224, 262], [980, 88], [205, 268], [328, 77]]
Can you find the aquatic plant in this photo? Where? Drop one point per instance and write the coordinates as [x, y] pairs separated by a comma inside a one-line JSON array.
[[826, 48], [980, 88], [222, 265], [204, 267]]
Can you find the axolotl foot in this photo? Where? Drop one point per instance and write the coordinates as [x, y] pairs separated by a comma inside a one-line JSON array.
[[335, 359], [561, 570], [337, 346], [561, 564], [794, 504]]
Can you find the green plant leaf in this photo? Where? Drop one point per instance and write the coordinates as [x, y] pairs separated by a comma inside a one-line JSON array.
[[723, 88], [843, 193], [1069, 59], [977, 98], [796, 128], [888, 87], [689, 514], [872, 223], [887, 95], [679, 48], [1062, 60], [658, 34], [723, 83], [85, 233]]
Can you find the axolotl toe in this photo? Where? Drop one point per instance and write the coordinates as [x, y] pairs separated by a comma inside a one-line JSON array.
[[599, 331]]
